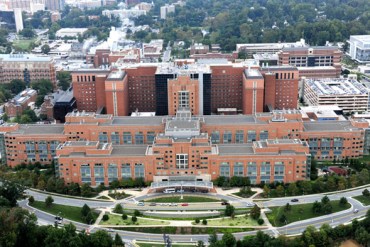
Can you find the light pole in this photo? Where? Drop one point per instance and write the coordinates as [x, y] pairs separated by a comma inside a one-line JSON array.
[[182, 197]]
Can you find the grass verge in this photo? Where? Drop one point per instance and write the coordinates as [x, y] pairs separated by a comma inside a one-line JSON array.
[[363, 199], [237, 221], [299, 212], [183, 230], [68, 212], [177, 199], [117, 220], [244, 195], [161, 245]]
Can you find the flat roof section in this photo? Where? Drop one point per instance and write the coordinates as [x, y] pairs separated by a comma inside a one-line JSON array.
[[329, 126], [40, 129], [156, 120], [231, 120]]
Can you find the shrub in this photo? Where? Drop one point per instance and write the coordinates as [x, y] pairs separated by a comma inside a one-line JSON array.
[[343, 201], [366, 193], [49, 201], [229, 210], [134, 218], [204, 222], [255, 212], [137, 212], [31, 200], [197, 221], [124, 216], [260, 221], [118, 209], [105, 217]]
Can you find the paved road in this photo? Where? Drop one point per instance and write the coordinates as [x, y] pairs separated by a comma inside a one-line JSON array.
[[291, 229]]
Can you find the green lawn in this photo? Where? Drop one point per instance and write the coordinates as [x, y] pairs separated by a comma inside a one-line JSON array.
[[68, 212], [244, 195], [161, 245], [176, 199], [184, 230], [23, 44], [117, 220], [237, 221], [299, 212], [118, 196], [103, 198], [363, 199]]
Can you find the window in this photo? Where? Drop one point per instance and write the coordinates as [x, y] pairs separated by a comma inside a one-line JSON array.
[[279, 170], [182, 161], [252, 169], [126, 171], [238, 169], [53, 147], [215, 136], [239, 136], [115, 138], [139, 138], [150, 137], [99, 173], [264, 135], [183, 99], [112, 172], [103, 137], [251, 135], [127, 138], [225, 169], [265, 168], [227, 136], [85, 173], [139, 170]]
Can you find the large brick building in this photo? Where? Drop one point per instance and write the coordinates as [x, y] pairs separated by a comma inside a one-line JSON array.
[[265, 147], [26, 67], [203, 88]]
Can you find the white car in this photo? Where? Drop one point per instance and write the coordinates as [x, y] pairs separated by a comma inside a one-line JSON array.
[[173, 204]]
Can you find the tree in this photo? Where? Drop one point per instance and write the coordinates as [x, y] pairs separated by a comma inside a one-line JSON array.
[[27, 33], [5, 117], [343, 201], [124, 216], [364, 176], [260, 221], [137, 212], [49, 201], [200, 243], [31, 200], [85, 210], [292, 189], [353, 179], [366, 193], [16, 86], [283, 219], [280, 190], [197, 221], [43, 86], [316, 207], [204, 222], [45, 49], [101, 239], [266, 191], [118, 240], [105, 217], [86, 190], [229, 210], [327, 208], [118, 209], [134, 218], [11, 191], [325, 200], [213, 238], [64, 79], [229, 239], [255, 212], [89, 219]]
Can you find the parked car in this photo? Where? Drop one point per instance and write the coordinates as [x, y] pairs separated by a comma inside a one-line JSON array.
[[355, 211], [294, 200], [185, 204], [173, 204], [153, 204], [141, 204], [225, 203]]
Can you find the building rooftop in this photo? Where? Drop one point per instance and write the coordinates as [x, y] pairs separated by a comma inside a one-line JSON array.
[[157, 120], [253, 73], [231, 120], [116, 75], [336, 86], [305, 48], [40, 129], [329, 126], [279, 68], [235, 149], [24, 58], [361, 38], [170, 68]]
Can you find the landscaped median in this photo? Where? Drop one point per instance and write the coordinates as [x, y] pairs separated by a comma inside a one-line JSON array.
[[241, 220], [177, 199], [115, 220], [284, 215], [68, 212], [363, 199], [184, 230]]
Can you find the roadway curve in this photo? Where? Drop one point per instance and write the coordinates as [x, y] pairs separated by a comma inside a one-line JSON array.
[[335, 219]]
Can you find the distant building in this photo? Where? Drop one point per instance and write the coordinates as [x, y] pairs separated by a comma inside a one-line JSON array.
[[199, 48], [166, 9], [70, 32], [313, 61], [55, 16], [54, 5], [7, 19], [26, 67], [359, 48], [18, 19], [349, 95], [20, 102], [34, 7], [58, 104]]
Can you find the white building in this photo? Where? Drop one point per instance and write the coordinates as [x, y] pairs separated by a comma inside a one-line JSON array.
[[359, 48], [166, 9], [365, 69], [349, 95], [18, 19], [70, 32], [36, 7], [124, 13]]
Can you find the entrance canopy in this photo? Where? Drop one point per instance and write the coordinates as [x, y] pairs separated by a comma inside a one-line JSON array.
[[179, 184]]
